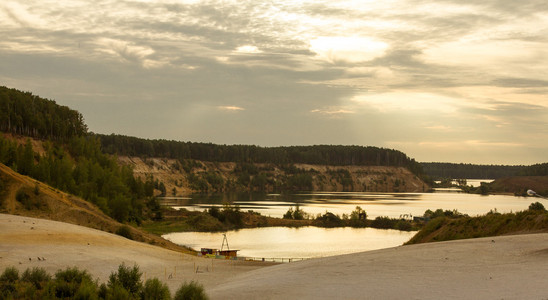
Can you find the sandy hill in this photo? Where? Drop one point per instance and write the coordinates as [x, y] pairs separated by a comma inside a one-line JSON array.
[[22, 195]]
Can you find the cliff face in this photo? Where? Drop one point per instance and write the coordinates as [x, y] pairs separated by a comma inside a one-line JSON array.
[[180, 178]]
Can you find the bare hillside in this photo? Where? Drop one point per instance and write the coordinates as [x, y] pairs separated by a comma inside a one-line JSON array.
[[211, 176]]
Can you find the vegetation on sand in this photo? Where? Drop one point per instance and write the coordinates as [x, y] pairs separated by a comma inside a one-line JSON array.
[[72, 283]]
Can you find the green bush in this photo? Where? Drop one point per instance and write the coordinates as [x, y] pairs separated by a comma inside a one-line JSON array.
[[127, 278], [37, 277], [11, 274], [329, 220], [537, 206], [295, 214], [191, 291], [72, 282], [155, 290], [358, 217], [384, 223], [124, 231], [8, 279]]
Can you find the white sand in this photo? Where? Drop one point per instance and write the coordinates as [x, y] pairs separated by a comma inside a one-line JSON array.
[[65, 245], [509, 267]]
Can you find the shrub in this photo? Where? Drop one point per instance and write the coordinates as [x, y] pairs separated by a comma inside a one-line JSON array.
[[71, 282], [190, 291], [8, 280], [124, 231], [37, 277], [216, 213], [329, 220], [383, 223], [295, 214], [232, 214], [537, 206], [22, 197], [11, 274], [155, 290], [127, 278], [289, 214], [358, 217]]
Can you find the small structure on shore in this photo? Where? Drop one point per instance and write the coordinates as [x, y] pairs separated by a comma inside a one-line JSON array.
[[214, 253]]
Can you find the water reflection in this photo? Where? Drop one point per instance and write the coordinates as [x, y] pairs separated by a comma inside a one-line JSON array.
[[375, 204], [305, 242]]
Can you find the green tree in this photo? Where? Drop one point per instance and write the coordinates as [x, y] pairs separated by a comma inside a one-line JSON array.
[[191, 291], [154, 289], [128, 279], [358, 217]]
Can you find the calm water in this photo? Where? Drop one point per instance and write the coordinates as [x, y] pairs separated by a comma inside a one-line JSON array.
[[375, 204], [305, 242], [316, 242]]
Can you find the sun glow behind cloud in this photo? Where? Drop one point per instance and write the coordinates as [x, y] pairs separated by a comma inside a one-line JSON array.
[[230, 108], [347, 49]]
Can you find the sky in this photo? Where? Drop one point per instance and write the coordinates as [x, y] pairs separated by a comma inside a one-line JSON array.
[[445, 81]]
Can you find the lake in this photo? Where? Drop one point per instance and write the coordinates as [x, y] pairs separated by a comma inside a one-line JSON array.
[[317, 242], [296, 243]]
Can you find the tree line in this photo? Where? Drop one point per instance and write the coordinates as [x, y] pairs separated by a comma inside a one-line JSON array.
[[535, 170], [26, 114], [335, 155], [439, 171]]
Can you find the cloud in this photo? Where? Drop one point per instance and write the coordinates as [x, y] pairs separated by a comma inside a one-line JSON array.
[[248, 49], [347, 49], [333, 111], [230, 108]]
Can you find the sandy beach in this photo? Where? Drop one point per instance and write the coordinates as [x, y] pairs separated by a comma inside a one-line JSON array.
[[507, 267]]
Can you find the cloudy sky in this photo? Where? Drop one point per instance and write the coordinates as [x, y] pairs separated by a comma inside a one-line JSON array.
[[449, 80]]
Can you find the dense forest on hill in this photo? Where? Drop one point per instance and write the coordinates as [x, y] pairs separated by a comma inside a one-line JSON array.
[[26, 114], [535, 170], [439, 171], [316, 155], [80, 167]]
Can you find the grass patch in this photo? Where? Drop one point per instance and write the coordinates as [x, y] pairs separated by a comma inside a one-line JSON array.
[[166, 226], [445, 228]]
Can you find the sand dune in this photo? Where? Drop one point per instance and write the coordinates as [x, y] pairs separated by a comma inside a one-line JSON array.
[[24, 239], [509, 267]]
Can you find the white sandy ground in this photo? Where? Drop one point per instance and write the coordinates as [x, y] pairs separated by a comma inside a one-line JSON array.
[[508, 267], [65, 245]]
